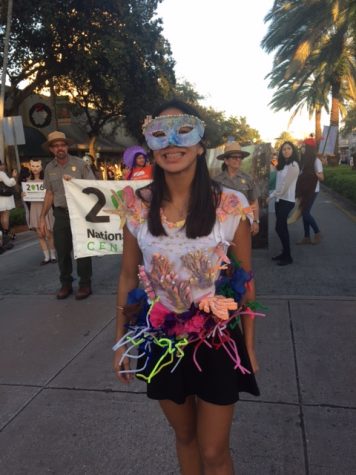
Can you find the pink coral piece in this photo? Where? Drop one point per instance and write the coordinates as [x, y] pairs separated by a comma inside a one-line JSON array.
[[129, 196], [218, 305], [158, 314], [231, 205]]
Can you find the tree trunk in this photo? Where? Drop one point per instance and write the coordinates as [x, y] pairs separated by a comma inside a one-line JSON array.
[[334, 119], [318, 125], [92, 146]]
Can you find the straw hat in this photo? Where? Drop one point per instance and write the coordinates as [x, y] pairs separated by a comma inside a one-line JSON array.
[[54, 136], [232, 148]]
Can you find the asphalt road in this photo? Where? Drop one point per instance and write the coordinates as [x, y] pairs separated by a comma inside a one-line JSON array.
[[63, 412]]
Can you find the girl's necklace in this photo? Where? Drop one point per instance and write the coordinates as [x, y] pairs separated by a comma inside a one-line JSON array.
[[181, 212]]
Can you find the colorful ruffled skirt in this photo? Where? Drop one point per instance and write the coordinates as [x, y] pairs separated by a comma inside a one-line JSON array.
[[191, 353]]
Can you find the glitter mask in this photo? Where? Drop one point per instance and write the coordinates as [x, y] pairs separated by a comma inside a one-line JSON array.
[[178, 130]]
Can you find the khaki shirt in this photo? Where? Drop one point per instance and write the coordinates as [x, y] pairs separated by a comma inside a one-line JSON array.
[[240, 182], [53, 177]]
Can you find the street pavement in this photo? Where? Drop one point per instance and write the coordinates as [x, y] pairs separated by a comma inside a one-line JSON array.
[[62, 412]]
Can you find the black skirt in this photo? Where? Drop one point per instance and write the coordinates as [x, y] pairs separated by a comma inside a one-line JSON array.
[[218, 382]]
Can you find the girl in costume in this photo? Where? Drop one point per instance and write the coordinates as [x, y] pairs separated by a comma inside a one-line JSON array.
[[184, 323], [137, 163], [46, 243], [287, 175]]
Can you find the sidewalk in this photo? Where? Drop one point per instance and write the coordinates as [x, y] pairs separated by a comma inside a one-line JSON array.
[[62, 411]]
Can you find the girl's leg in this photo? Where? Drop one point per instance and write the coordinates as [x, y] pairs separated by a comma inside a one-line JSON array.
[[43, 245], [308, 220], [50, 244], [283, 208], [4, 219], [214, 424], [183, 419]]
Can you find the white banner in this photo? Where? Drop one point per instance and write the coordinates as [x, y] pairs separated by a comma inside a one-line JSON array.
[[96, 229], [328, 140], [33, 191]]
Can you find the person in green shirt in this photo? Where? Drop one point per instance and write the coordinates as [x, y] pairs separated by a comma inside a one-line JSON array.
[[64, 166], [233, 177]]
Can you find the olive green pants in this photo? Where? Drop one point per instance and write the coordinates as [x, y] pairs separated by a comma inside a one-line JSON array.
[[62, 235]]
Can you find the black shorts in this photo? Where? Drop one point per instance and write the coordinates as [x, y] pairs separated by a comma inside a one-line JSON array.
[[218, 382]]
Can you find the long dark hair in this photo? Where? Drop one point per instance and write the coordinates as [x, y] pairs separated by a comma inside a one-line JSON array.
[[32, 176], [307, 180], [308, 158], [282, 161], [204, 193]]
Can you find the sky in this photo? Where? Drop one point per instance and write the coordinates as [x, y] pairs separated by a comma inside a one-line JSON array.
[[216, 47]]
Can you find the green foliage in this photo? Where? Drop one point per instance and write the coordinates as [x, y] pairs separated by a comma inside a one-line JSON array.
[[284, 137], [314, 54], [349, 122], [342, 179], [109, 56], [17, 216]]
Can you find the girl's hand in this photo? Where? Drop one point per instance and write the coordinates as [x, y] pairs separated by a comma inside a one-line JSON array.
[[42, 226], [125, 365], [255, 227], [253, 360]]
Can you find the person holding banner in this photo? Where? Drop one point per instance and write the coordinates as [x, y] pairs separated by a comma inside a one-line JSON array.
[[137, 164], [193, 354], [46, 241], [64, 167]]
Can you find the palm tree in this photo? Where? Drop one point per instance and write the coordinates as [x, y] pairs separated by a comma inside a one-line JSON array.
[[314, 42], [311, 94]]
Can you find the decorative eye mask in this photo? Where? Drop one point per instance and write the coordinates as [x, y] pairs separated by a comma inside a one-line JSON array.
[[179, 130]]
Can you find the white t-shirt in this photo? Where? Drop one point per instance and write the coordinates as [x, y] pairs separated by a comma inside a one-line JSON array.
[[183, 270]]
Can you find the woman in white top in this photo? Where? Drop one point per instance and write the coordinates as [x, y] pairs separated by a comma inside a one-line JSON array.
[[6, 202], [287, 175], [307, 190]]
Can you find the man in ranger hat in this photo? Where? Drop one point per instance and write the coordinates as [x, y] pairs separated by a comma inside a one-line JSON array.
[[232, 177], [64, 166]]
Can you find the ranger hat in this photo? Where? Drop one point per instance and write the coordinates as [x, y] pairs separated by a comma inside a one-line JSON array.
[[54, 136], [232, 148]]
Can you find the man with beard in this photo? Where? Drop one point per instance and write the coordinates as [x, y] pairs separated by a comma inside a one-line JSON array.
[[64, 166]]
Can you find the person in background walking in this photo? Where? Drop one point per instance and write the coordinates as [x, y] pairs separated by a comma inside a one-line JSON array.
[[64, 166], [233, 177], [46, 242], [307, 189], [287, 175]]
